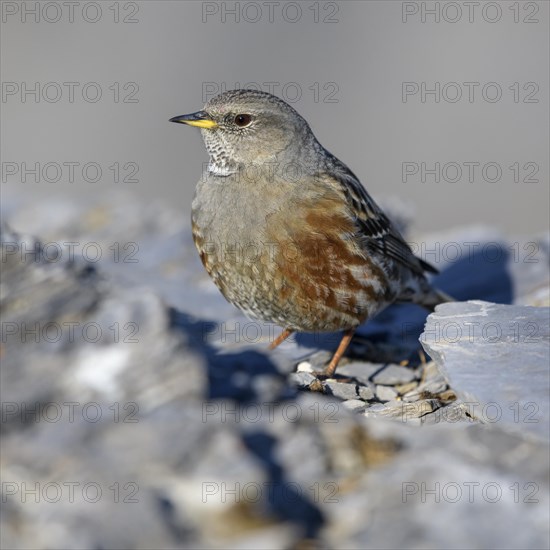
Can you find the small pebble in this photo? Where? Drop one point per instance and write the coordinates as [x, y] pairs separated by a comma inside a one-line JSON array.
[[366, 393], [304, 366], [393, 375], [355, 405], [385, 393], [406, 388], [341, 390], [301, 379]]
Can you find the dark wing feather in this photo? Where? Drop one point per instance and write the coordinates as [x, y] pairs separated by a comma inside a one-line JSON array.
[[376, 228]]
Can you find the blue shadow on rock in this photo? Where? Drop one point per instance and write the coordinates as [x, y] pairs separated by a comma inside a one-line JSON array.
[[243, 377], [230, 375], [475, 277], [287, 500]]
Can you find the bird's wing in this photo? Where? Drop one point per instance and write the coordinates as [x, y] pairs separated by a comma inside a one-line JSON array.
[[377, 231]]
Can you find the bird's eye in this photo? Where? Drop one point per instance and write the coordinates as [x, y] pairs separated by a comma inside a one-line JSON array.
[[243, 120]]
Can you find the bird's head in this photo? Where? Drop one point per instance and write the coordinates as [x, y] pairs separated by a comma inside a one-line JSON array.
[[243, 127]]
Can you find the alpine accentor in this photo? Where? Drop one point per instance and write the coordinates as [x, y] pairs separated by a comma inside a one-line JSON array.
[[286, 230]]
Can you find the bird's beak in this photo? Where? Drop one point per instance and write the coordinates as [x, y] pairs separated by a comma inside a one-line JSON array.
[[201, 119]]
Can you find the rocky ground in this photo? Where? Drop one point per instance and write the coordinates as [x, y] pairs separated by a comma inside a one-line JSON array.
[[140, 410]]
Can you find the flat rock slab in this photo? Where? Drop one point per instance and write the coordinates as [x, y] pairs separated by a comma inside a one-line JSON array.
[[496, 358]]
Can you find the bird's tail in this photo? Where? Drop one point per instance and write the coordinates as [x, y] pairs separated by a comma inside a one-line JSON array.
[[433, 298]]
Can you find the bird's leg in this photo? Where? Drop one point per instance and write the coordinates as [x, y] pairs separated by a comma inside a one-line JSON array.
[[344, 343], [281, 338]]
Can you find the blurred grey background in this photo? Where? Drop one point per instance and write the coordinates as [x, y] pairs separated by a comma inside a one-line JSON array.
[[342, 65]]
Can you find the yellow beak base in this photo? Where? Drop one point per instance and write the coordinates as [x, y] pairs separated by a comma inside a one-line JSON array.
[[201, 123], [200, 119]]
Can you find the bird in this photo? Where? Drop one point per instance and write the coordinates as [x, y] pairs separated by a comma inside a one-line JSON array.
[[286, 230]]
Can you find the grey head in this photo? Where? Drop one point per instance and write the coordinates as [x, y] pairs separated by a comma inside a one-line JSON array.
[[243, 127]]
